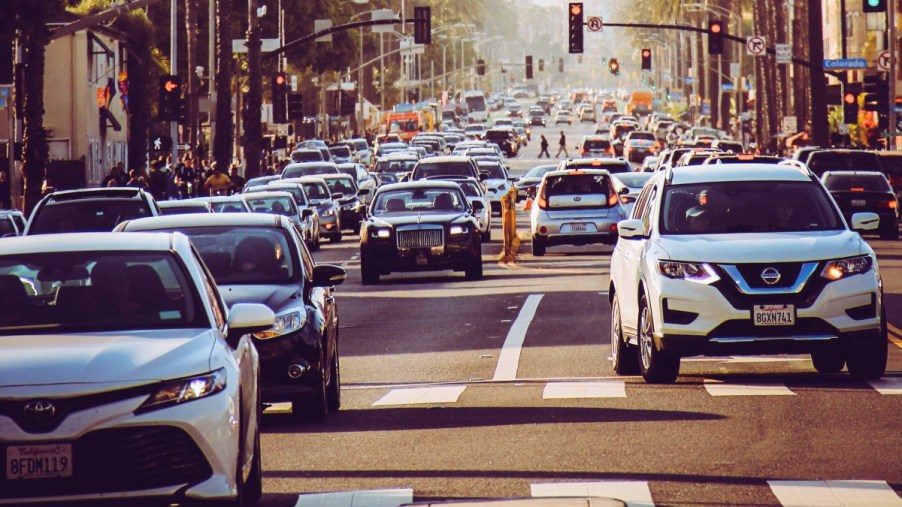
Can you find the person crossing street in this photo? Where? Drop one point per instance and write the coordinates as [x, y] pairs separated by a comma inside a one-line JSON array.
[[544, 145], [562, 146]]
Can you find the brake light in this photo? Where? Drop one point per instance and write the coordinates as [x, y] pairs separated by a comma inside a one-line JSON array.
[[576, 172], [624, 199], [891, 204], [596, 163], [857, 189], [583, 150], [613, 227], [610, 150], [613, 200]]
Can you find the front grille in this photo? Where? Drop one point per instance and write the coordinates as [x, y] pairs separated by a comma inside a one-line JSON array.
[[789, 273], [420, 237], [121, 459], [806, 297]]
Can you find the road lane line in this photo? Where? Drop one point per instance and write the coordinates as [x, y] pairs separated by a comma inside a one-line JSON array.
[[835, 493], [580, 390], [895, 334], [634, 493], [718, 388], [887, 385], [509, 359], [372, 498], [421, 396]]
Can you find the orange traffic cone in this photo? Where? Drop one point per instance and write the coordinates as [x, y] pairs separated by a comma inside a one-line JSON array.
[[528, 205]]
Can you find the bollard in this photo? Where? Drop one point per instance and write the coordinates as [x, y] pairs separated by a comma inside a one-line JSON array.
[[509, 223]]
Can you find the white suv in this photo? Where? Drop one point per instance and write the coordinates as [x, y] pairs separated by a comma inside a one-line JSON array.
[[744, 259]]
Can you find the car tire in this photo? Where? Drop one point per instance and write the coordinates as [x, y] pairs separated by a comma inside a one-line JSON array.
[[625, 358], [538, 246], [866, 357], [656, 366], [336, 237], [315, 407], [333, 392], [828, 360], [253, 488]]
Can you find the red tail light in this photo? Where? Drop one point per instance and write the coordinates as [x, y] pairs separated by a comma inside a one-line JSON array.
[[890, 204], [613, 227], [541, 201]]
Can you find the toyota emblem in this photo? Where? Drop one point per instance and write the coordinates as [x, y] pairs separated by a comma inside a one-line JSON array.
[[770, 276], [39, 411]]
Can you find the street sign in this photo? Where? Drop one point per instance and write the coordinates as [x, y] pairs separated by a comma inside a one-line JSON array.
[[322, 24], [790, 124], [756, 45], [727, 87], [266, 45], [784, 53], [883, 61], [381, 15], [184, 146], [846, 64], [595, 24], [735, 70]]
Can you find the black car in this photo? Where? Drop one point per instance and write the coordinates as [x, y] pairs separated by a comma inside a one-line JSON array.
[[12, 223], [821, 161], [347, 197], [260, 258], [420, 226], [505, 138], [865, 191]]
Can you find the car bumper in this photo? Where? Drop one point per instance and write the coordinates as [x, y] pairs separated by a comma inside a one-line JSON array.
[[184, 451], [328, 225], [386, 258], [716, 319], [564, 231]]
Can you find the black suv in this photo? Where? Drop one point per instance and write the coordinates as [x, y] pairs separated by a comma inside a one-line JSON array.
[[90, 210], [505, 138]]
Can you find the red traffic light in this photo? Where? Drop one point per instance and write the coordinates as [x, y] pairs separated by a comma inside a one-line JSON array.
[[576, 9], [849, 98], [646, 53], [715, 27], [281, 79]]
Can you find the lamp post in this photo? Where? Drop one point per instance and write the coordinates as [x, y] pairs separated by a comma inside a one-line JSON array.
[[358, 111]]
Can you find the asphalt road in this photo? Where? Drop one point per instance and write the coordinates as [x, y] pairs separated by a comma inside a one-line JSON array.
[[440, 402]]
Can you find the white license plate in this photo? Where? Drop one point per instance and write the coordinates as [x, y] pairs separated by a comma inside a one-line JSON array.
[[577, 228], [858, 203], [774, 315], [38, 461]]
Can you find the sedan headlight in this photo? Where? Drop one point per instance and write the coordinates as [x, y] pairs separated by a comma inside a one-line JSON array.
[[284, 324], [183, 390], [841, 268], [700, 272], [381, 233], [329, 212], [457, 230]]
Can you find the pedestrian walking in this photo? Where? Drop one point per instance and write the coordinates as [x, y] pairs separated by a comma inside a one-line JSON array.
[[544, 147], [562, 146]]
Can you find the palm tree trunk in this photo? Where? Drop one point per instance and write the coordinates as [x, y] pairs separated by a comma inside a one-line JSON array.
[[191, 8], [253, 135], [35, 148], [222, 141]]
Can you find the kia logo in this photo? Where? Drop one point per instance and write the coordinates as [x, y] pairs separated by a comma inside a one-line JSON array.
[[577, 198], [770, 276], [39, 410]]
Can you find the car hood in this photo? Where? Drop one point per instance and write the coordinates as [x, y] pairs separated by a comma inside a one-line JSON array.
[[276, 297], [763, 247], [430, 217], [115, 358]]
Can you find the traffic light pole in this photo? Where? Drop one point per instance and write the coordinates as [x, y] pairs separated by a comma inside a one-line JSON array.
[[891, 39], [174, 70]]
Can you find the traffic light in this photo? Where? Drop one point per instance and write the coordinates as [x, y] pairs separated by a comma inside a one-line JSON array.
[[873, 5], [646, 59], [170, 98], [528, 67], [576, 27], [876, 90], [279, 97], [480, 67], [422, 25], [850, 104], [614, 66], [715, 37], [295, 106], [560, 65], [541, 65]]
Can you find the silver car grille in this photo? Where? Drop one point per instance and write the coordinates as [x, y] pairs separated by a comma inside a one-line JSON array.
[[421, 237]]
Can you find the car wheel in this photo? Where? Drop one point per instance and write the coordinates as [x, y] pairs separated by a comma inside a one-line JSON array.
[[656, 366], [315, 407], [538, 246], [626, 361], [828, 360], [473, 271], [334, 390], [253, 488], [866, 357], [368, 273]]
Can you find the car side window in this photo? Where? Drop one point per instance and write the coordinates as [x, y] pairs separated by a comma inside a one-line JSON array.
[[307, 261], [216, 302], [641, 202], [648, 209]]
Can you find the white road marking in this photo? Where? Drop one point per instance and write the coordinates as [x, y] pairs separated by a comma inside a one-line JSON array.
[[284, 406], [373, 498], [634, 493], [421, 395], [509, 359], [888, 385], [835, 493], [575, 390], [718, 388]]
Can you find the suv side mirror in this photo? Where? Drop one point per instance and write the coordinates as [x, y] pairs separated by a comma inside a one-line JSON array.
[[865, 221], [478, 206], [306, 213]]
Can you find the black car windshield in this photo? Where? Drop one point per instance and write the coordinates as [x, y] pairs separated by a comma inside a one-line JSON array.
[[443, 169], [307, 156], [272, 204], [308, 170], [90, 215], [492, 170], [419, 199], [316, 191], [596, 144], [95, 291], [747, 206], [823, 161], [340, 151], [857, 183], [341, 186], [245, 255], [297, 192]]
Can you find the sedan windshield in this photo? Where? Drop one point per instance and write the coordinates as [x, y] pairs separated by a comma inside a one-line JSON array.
[[95, 291], [419, 199], [747, 206]]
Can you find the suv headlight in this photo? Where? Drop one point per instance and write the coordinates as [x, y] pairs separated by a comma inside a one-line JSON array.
[[700, 272], [284, 324], [181, 390], [457, 230], [841, 268]]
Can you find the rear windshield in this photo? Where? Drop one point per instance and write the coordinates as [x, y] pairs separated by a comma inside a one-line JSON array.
[[493, 171], [308, 170], [823, 161], [443, 169], [341, 186], [647, 136], [394, 166], [857, 183], [307, 156], [317, 191], [93, 215], [581, 184], [295, 191], [275, 205], [501, 135], [340, 151], [183, 210], [611, 167], [597, 144]]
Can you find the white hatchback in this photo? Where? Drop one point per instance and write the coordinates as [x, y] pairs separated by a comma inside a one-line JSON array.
[[123, 374], [744, 259]]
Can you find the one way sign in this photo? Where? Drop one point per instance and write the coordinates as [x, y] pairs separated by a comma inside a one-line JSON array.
[[161, 143]]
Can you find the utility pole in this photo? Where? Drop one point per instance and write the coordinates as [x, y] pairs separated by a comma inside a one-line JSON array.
[[191, 8], [254, 100], [174, 70], [819, 127], [891, 39]]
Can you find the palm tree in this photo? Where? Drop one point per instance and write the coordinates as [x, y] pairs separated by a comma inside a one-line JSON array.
[[222, 147]]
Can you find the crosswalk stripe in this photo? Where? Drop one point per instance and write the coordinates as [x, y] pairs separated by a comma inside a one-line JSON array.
[[719, 388], [888, 385], [421, 395], [835, 494], [509, 358], [371, 498], [576, 390], [634, 493]]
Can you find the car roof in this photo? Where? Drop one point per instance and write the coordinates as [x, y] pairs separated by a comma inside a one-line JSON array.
[[90, 242], [447, 158], [182, 203], [310, 164], [93, 193], [738, 172], [576, 172], [429, 183], [853, 173], [268, 193], [207, 220]]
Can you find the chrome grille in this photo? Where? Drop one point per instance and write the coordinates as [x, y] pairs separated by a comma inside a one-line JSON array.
[[421, 237]]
